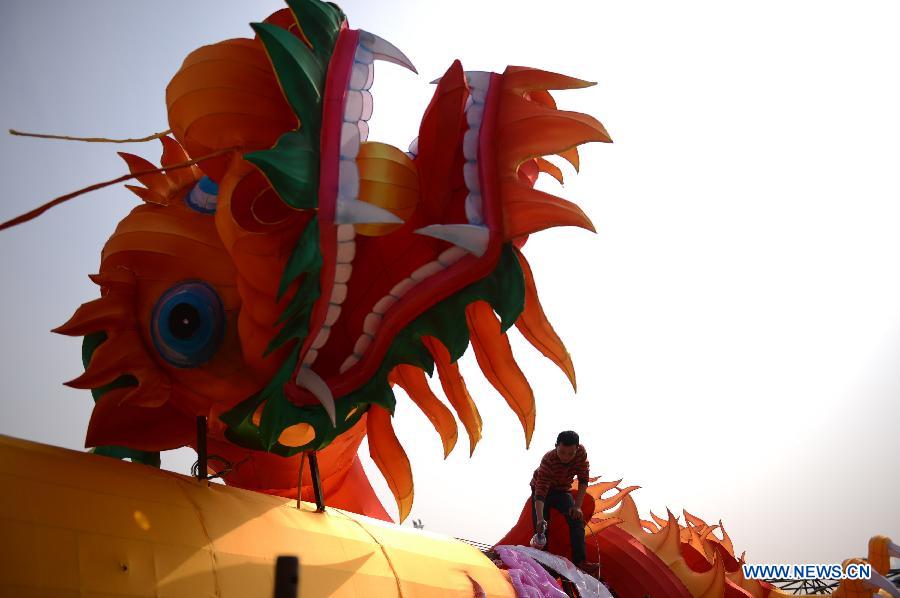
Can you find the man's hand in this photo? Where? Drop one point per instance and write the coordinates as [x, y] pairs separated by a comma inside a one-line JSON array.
[[575, 513]]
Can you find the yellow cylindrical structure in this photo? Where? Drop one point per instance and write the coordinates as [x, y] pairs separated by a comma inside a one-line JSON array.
[[81, 525]]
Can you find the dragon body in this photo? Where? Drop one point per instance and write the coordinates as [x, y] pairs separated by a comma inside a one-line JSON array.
[[662, 556]]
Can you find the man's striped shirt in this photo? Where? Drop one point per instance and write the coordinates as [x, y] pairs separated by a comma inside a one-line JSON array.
[[553, 474]]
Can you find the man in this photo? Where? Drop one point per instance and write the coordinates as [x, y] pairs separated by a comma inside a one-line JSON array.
[[550, 488]]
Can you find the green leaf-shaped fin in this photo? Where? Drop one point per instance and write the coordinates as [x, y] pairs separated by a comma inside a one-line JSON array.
[[320, 23], [305, 259], [292, 167], [300, 74]]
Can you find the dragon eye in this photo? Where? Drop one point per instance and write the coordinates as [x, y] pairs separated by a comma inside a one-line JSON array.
[[203, 196], [187, 324]]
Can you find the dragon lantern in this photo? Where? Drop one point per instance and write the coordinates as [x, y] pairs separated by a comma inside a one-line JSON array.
[[281, 276], [284, 271]]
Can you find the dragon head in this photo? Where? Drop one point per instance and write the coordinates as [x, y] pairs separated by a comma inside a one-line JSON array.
[[161, 342], [341, 266]]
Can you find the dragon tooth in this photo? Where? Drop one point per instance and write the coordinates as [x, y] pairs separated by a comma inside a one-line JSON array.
[[470, 144], [349, 141], [333, 313], [353, 106], [348, 178], [368, 105], [425, 271], [349, 363], [346, 252], [474, 115], [384, 304], [402, 287], [342, 273], [345, 232], [338, 294], [450, 256], [321, 338], [371, 323], [385, 50], [359, 75], [362, 343], [370, 77], [311, 381], [478, 79], [473, 209], [353, 211], [470, 175], [364, 56], [414, 146], [469, 103], [310, 357], [363, 130], [471, 237]]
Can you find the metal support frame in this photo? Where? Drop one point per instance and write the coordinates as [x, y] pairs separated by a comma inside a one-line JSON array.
[[202, 458], [316, 481], [287, 576], [317, 484]]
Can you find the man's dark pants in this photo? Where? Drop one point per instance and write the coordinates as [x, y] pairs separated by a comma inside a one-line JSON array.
[[562, 501]]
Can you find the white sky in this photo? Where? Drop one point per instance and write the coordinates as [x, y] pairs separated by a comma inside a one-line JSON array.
[[735, 323]]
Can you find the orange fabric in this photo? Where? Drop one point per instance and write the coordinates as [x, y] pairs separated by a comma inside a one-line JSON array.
[[412, 380], [226, 95], [537, 330], [494, 356], [391, 459], [455, 388]]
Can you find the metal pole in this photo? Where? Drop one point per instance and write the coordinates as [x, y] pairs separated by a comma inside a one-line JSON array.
[[202, 461], [300, 479], [287, 577], [317, 484]]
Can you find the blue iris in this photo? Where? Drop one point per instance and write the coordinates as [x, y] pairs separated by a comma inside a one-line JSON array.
[[187, 324], [203, 197]]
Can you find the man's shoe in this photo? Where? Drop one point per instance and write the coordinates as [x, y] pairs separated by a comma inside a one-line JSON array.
[[589, 568]]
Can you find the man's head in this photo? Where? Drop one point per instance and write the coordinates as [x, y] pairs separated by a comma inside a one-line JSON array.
[[566, 445]]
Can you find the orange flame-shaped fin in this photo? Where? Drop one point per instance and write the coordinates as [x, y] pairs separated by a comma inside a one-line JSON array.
[[93, 316], [550, 168], [412, 380], [156, 182], [391, 459], [174, 154], [123, 353], [523, 79], [455, 389], [494, 356], [537, 330], [528, 211]]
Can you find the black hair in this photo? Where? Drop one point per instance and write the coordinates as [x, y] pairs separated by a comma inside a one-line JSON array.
[[567, 438]]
